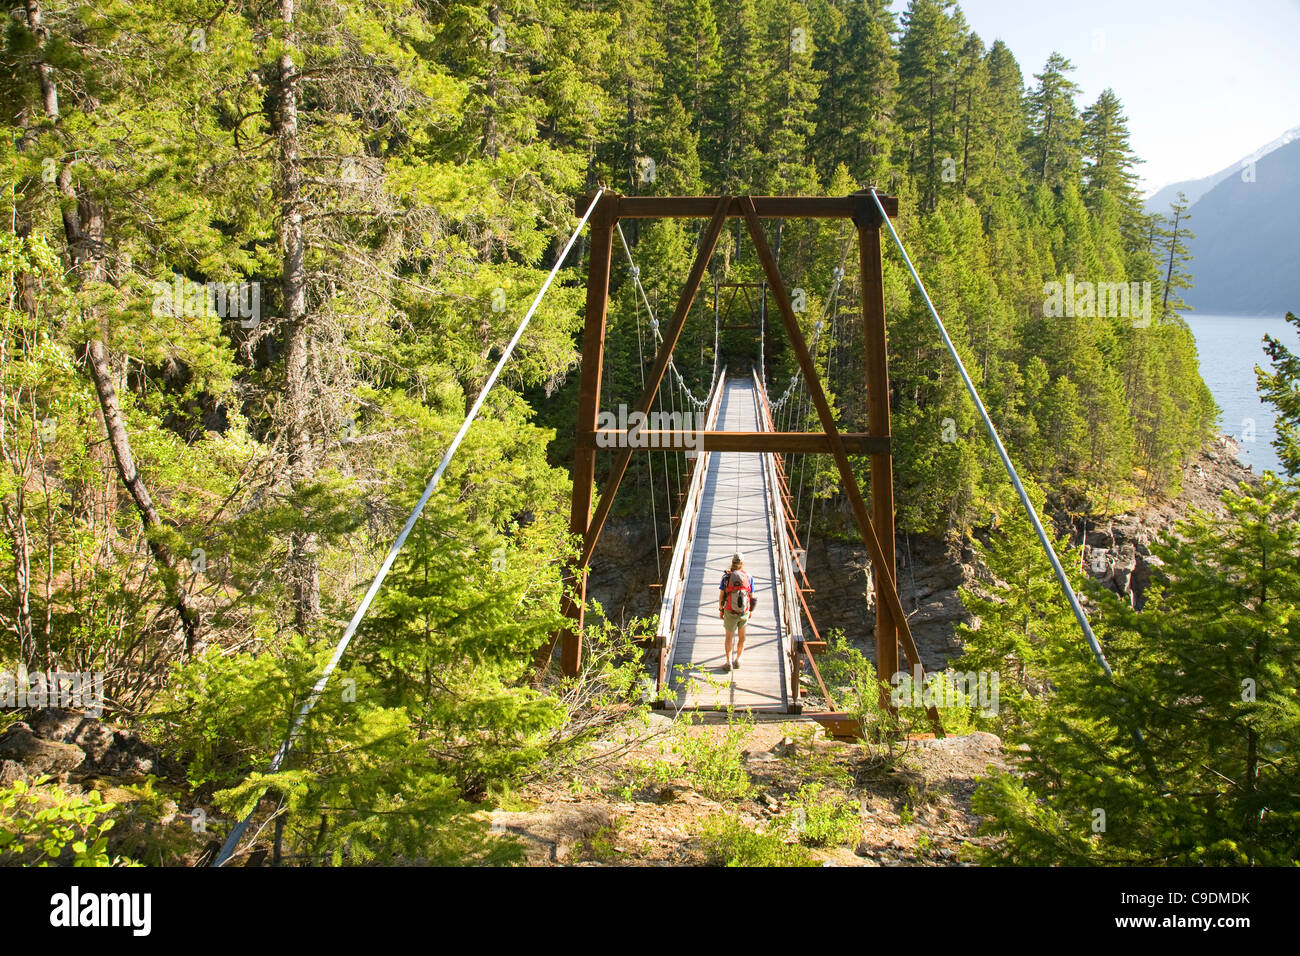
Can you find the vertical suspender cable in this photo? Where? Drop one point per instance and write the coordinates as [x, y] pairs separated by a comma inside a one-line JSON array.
[[232, 840], [715, 336]]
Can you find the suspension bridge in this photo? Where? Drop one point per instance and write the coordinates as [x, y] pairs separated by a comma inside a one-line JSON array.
[[738, 496], [737, 493]]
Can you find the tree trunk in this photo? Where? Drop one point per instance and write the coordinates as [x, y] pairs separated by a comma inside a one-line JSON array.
[[97, 361], [83, 227], [304, 571], [1169, 270], [15, 515]]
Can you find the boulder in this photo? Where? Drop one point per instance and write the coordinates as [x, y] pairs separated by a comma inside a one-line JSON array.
[[36, 756], [108, 749], [57, 723], [971, 744], [113, 751]]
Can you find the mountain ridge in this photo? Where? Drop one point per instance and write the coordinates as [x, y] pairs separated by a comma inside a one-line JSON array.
[[1194, 189], [1246, 248]]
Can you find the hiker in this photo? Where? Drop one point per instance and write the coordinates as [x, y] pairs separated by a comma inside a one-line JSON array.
[[735, 603]]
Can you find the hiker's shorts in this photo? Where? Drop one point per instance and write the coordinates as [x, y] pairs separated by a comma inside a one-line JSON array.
[[734, 619]]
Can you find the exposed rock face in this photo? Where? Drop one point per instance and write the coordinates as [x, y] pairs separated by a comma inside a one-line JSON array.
[[98, 747], [1117, 550], [929, 573], [623, 568], [19, 746]]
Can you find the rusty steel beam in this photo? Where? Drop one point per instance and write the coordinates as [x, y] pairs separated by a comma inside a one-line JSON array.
[[868, 221], [602, 221], [766, 207]]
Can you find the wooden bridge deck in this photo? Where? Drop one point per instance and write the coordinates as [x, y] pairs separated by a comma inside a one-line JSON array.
[[735, 515]]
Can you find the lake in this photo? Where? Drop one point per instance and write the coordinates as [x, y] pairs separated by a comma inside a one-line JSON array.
[[1230, 346]]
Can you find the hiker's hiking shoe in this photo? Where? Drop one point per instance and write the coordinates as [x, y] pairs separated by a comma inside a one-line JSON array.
[[735, 665]]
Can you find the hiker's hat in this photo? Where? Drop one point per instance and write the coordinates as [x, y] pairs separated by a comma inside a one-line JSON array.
[[737, 558]]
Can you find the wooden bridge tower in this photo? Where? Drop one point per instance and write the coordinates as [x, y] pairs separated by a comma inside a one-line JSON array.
[[876, 524]]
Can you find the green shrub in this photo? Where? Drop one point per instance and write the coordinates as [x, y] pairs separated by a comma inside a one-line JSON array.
[[729, 842], [852, 679], [713, 764], [822, 818], [43, 826]]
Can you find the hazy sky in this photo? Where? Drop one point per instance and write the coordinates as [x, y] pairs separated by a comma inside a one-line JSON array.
[[1202, 83]]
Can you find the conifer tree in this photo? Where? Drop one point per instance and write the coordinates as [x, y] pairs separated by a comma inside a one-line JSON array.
[[1205, 675], [1055, 127], [1172, 235], [790, 88], [1007, 119], [692, 55], [932, 38], [733, 155], [1108, 158], [1280, 387], [859, 94]]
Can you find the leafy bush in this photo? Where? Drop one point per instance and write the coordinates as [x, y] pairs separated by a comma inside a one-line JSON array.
[[713, 763], [44, 826], [852, 678]]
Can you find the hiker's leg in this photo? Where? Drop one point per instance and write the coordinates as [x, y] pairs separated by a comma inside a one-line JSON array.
[[740, 644], [727, 642]]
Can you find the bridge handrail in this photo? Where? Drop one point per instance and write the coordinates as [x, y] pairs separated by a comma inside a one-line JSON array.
[[670, 606], [792, 623]]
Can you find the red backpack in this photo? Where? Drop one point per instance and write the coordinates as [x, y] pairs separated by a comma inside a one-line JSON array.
[[739, 583]]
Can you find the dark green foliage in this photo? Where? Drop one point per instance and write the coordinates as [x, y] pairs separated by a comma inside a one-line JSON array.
[[1206, 673], [1280, 387]]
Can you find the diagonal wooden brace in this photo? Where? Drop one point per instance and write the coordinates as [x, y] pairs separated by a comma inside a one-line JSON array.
[[684, 302], [847, 478]]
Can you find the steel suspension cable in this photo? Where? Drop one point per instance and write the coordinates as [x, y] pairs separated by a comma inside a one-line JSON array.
[[837, 280], [650, 459], [635, 272], [1032, 514], [232, 841]]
